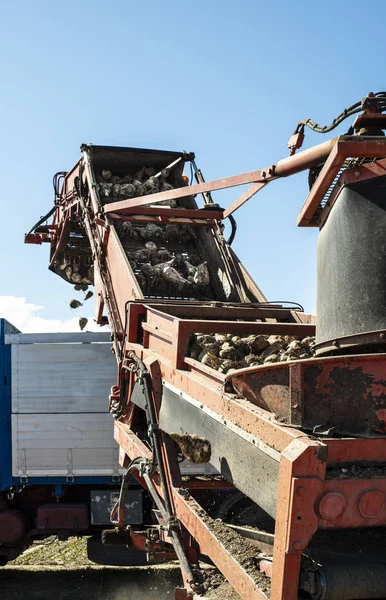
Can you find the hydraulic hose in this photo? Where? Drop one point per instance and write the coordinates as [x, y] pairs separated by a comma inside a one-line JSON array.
[[145, 379], [120, 506], [233, 223], [42, 219], [166, 508], [378, 99]]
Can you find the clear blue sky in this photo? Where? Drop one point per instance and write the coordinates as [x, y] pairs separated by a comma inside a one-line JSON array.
[[228, 80]]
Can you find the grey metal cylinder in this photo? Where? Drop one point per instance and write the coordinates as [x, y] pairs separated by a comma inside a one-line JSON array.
[[356, 581], [351, 280]]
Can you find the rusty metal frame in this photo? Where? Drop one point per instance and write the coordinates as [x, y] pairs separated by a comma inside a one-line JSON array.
[[362, 172], [167, 213], [345, 147], [284, 168], [159, 333], [307, 501], [247, 195], [336, 151]]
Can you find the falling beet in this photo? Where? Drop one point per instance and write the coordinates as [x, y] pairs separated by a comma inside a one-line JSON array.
[[88, 295], [83, 322], [75, 303]]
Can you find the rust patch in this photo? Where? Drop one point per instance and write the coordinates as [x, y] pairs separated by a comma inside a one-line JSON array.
[[322, 452], [267, 389], [345, 394]]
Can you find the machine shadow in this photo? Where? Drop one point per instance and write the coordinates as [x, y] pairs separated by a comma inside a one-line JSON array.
[[35, 583]]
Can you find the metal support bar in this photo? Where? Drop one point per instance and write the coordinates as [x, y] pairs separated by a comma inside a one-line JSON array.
[[183, 192], [296, 521], [285, 167], [201, 529], [344, 147], [256, 187]]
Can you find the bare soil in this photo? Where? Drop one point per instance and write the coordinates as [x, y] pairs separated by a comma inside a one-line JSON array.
[[55, 570], [223, 592], [61, 571]]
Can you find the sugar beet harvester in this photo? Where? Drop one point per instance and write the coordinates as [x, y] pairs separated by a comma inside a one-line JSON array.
[[296, 506]]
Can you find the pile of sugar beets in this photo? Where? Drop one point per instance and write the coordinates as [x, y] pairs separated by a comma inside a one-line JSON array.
[[152, 262], [156, 267], [145, 181], [224, 352]]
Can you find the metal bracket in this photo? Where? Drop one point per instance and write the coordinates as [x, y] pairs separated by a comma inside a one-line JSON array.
[[24, 477], [70, 467], [115, 477]]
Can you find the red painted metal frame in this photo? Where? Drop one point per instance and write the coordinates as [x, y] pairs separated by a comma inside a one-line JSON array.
[[164, 211], [302, 484], [356, 174], [284, 168], [160, 327], [345, 147], [256, 187], [307, 500], [336, 151], [140, 219], [189, 513]]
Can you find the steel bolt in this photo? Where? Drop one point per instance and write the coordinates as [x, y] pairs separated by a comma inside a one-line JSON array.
[[297, 546], [357, 173]]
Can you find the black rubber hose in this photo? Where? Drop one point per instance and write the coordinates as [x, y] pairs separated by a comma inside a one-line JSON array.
[[156, 497], [178, 547], [233, 223], [326, 128], [347, 112], [55, 182], [47, 216], [124, 330], [120, 506], [155, 431]]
